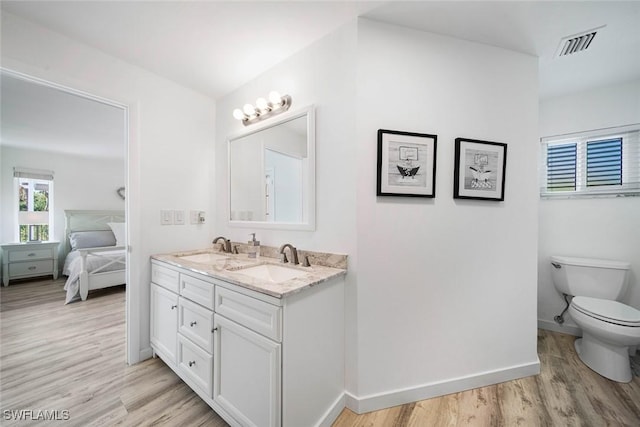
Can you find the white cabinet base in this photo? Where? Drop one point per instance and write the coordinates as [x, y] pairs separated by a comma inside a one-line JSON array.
[[271, 362]]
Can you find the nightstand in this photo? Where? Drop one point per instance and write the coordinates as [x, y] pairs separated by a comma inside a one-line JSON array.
[[22, 260]]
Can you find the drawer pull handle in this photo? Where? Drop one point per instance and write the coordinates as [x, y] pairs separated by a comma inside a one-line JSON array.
[[192, 324], [32, 267], [32, 254], [173, 307], [191, 363]]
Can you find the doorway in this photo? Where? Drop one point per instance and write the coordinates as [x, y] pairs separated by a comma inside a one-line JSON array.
[[45, 126]]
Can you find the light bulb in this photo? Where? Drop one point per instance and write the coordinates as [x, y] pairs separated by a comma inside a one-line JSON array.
[[262, 105], [275, 98], [249, 110], [238, 114]]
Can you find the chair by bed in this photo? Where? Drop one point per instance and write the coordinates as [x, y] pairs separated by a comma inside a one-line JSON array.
[[94, 251]]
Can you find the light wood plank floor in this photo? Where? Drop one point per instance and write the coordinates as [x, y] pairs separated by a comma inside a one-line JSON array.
[[57, 357]]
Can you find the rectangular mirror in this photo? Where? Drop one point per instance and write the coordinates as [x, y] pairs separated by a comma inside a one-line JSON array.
[[272, 173]]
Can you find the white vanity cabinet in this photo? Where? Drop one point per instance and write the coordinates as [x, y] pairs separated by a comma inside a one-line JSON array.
[[256, 359]]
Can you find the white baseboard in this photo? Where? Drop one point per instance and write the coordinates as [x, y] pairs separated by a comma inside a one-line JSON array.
[[146, 353], [332, 414], [378, 401], [555, 327]]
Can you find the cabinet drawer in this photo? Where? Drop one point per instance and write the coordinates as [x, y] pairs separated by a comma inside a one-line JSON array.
[[262, 317], [197, 290], [196, 323], [31, 268], [165, 277], [195, 364], [30, 255]]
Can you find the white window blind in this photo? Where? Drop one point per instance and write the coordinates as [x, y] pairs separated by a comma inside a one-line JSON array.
[[44, 175], [603, 162]]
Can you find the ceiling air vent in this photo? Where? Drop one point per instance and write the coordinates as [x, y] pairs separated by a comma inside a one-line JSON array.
[[577, 42]]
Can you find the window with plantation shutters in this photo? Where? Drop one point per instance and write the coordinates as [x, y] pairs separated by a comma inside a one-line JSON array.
[[561, 167], [604, 162], [596, 163]]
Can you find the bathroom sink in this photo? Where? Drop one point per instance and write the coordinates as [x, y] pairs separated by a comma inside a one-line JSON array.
[[206, 258], [270, 272]]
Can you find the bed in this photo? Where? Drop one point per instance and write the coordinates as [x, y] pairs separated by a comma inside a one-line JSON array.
[[94, 251]]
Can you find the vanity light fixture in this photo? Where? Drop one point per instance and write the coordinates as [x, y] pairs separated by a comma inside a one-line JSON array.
[[263, 109]]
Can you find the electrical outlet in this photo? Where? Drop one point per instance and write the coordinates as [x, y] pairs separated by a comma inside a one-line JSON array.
[[196, 217], [178, 217], [166, 217]]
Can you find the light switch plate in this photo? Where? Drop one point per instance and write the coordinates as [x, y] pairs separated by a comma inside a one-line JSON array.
[[166, 217], [178, 217]]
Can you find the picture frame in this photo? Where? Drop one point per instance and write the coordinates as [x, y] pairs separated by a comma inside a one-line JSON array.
[[479, 170], [406, 164]]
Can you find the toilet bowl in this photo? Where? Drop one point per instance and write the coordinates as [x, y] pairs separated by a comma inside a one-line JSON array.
[[609, 328]]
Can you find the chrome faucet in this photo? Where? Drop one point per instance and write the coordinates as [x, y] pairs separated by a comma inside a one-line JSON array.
[[293, 251], [226, 246]]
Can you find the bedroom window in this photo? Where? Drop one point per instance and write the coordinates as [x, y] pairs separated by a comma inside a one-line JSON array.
[[588, 164], [35, 204]]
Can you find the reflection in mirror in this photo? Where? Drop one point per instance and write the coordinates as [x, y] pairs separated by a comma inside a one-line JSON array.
[[272, 174]]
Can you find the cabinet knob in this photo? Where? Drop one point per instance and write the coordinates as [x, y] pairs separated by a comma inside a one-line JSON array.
[[192, 362], [173, 307], [32, 254], [32, 267], [214, 329], [192, 324]]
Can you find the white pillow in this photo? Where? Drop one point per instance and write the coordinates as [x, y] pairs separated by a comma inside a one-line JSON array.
[[118, 229]]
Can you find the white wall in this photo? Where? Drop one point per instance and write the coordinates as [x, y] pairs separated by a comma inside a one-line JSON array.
[[446, 288], [79, 183], [597, 227], [441, 294], [169, 155]]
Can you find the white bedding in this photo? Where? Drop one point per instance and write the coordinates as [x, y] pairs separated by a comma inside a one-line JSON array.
[[107, 260]]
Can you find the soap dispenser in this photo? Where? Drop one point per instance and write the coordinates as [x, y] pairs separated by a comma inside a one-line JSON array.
[[254, 247]]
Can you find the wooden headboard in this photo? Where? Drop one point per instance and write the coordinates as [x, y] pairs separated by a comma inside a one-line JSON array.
[[76, 220]]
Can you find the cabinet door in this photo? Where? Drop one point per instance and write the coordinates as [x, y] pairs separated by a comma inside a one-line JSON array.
[[247, 374], [164, 322]]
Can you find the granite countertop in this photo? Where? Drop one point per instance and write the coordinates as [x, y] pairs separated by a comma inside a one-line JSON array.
[[230, 267]]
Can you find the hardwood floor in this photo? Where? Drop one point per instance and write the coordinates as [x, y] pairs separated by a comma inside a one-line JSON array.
[[72, 358]]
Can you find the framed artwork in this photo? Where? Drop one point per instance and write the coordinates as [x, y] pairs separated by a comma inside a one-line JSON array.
[[479, 169], [406, 164]]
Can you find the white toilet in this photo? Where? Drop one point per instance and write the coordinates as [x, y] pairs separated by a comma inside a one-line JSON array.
[[609, 327]]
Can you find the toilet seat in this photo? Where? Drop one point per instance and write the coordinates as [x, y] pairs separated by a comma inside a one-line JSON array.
[[607, 310]]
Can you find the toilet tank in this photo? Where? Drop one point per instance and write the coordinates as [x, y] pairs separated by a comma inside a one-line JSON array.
[[589, 277]]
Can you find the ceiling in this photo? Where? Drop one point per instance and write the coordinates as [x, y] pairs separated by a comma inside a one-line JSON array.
[[214, 47], [43, 118]]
